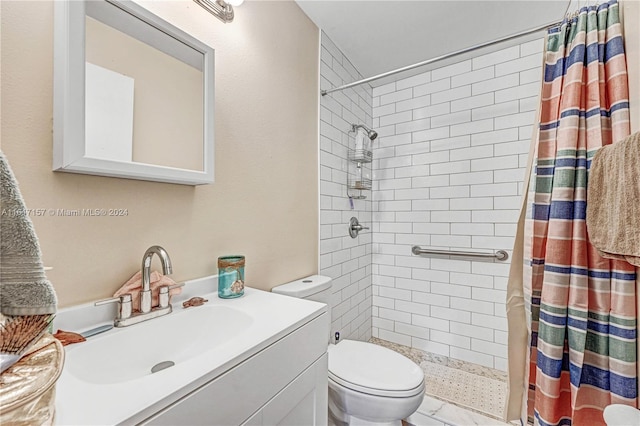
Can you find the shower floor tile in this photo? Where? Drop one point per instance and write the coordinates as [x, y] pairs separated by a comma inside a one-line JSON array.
[[471, 391], [457, 392]]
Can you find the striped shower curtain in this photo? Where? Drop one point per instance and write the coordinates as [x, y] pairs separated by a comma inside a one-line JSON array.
[[582, 307]]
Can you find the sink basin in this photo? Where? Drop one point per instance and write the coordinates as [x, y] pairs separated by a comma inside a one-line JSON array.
[[108, 378], [130, 353]]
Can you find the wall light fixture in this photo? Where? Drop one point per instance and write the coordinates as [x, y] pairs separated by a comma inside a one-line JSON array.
[[221, 9]]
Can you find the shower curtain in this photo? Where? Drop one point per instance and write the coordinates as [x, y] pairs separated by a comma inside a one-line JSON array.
[[579, 307]]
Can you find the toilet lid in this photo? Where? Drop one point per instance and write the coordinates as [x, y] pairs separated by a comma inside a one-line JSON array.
[[374, 369]]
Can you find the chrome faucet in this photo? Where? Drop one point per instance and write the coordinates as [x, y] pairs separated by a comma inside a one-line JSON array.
[[126, 316], [145, 294]]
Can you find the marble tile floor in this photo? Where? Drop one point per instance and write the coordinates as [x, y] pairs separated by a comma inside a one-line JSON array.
[[458, 393], [435, 412]]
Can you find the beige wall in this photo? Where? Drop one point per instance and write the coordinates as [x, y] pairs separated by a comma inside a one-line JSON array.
[[264, 201]]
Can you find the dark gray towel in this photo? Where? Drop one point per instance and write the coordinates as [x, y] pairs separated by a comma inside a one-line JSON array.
[[24, 288]]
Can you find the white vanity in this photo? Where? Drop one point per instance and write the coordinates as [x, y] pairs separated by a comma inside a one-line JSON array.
[[259, 359]]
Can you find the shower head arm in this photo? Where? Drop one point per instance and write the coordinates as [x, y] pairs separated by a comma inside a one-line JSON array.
[[354, 127], [372, 134]]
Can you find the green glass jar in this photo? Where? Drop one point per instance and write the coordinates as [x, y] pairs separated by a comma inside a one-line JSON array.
[[230, 276]]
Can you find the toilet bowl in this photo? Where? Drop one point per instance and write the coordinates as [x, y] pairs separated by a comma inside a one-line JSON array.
[[368, 384]]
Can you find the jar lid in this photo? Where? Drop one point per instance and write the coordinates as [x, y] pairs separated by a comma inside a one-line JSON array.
[[236, 261]]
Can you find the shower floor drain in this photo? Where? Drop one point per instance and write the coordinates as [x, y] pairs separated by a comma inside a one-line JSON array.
[[161, 366]]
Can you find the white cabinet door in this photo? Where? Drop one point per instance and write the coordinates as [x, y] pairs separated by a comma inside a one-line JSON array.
[[303, 401], [237, 395]]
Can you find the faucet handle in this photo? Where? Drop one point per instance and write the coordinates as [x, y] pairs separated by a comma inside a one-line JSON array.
[[122, 299], [124, 310], [163, 294]]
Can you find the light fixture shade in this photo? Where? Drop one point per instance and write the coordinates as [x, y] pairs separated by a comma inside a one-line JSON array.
[[234, 2], [219, 8]]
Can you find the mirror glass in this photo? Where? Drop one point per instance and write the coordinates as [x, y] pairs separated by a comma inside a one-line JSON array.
[[146, 96]]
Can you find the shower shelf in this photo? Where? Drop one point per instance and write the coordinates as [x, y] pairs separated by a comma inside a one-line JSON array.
[[359, 184], [360, 155]]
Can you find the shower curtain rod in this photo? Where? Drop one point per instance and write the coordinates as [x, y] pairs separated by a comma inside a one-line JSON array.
[[439, 58]]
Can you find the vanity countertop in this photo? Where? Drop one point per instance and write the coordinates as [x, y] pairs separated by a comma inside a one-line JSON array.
[[90, 397]]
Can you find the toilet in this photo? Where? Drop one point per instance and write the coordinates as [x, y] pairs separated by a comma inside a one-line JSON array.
[[368, 384]]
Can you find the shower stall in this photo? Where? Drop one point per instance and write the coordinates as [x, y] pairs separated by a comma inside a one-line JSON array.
[[447, 173], [447, 181]]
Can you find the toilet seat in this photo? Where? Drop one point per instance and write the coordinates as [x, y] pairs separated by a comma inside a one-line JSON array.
[[374, 370], [378, 392]]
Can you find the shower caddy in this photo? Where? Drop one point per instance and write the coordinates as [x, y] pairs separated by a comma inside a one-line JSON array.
[[359, 170]]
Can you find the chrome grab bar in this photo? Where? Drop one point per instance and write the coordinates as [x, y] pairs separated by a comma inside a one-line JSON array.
[[499, 255]]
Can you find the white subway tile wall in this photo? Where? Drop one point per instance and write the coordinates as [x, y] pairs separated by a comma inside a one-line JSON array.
[[347, 261], [448, 171]]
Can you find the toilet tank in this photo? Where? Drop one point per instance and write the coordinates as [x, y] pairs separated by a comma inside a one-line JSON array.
[[315, 287]]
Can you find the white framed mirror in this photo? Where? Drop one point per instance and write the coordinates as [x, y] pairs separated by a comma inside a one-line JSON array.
[[133, 95]]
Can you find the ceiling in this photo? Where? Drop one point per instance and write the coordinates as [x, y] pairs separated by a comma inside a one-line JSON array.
[[379, 36]]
